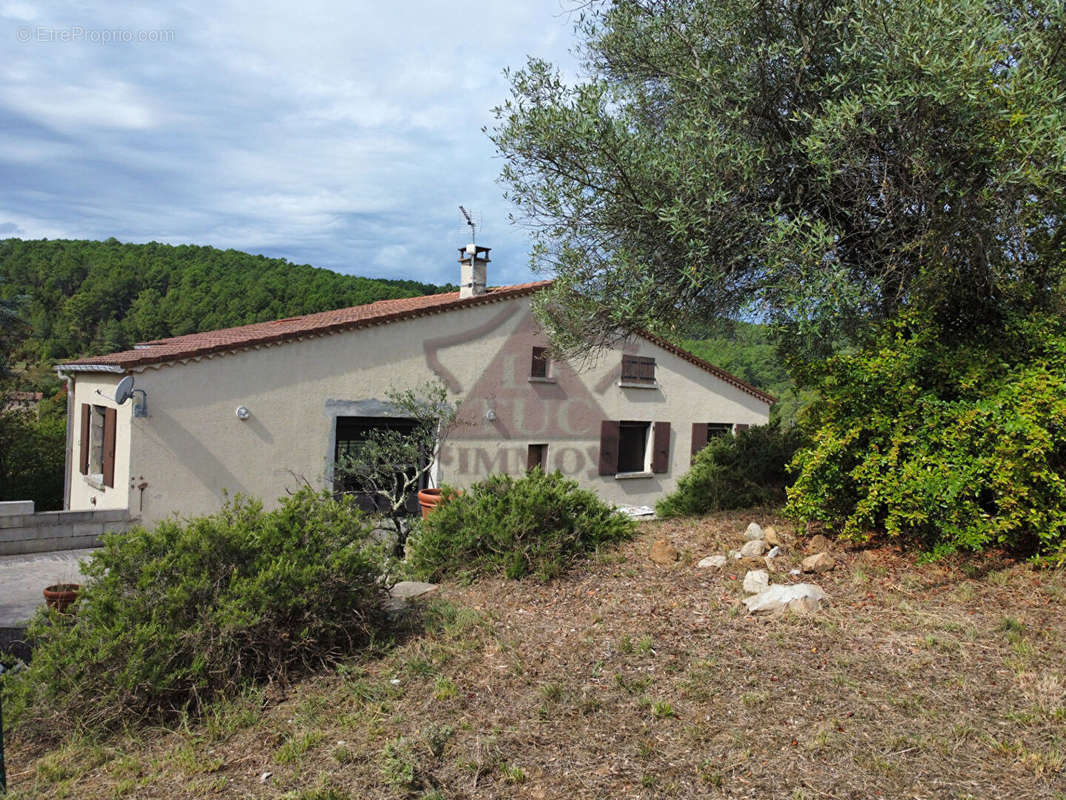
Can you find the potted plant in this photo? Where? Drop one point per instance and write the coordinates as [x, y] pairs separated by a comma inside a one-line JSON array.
[[60, 595]]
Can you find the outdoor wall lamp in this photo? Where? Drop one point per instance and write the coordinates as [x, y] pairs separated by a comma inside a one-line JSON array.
[[140, 404]]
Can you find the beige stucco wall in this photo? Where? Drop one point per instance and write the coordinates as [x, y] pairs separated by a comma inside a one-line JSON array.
[[85, 493], [192, 448]]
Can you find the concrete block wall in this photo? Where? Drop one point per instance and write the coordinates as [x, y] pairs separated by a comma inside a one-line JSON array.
[[24, 531]]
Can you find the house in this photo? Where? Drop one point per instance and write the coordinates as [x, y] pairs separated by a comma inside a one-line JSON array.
[[20, 401], [260, 409]]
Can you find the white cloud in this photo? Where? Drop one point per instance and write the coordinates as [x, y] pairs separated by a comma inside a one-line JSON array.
[[337, 134]]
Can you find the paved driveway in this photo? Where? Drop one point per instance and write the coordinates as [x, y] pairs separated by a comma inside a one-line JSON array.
[[23, 578]]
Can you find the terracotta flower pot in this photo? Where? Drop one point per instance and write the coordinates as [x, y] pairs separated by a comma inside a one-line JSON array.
[[428, 499], [61, 595]]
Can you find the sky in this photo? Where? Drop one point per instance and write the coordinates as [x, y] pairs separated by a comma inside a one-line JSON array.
[[338, 134]]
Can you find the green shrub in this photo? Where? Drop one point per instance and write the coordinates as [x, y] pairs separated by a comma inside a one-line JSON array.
[[950, 445], [749, 469], [536, 524], [190, 612]]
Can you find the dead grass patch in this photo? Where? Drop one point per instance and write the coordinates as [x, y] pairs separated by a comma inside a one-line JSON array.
[[626, 679]]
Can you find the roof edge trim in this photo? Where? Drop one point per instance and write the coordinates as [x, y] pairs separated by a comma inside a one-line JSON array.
[[707, 366], [112, 368]]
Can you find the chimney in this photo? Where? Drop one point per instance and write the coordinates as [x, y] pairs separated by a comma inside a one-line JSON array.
[[472, 274]]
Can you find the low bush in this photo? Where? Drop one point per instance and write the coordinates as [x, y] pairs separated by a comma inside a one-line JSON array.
[[533, 525], [749, 469], [176, 617]]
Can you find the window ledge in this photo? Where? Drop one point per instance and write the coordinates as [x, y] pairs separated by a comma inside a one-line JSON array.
[[625, 476], [95, 481], [534, 379], [638, 385]]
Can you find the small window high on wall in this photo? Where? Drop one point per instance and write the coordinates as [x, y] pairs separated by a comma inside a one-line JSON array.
[[638, 370], [539, 364]]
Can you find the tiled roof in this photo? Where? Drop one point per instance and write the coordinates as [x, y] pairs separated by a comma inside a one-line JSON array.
[[193, 345]]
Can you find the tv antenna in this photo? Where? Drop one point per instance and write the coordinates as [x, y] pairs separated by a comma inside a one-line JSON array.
[[470, 222]]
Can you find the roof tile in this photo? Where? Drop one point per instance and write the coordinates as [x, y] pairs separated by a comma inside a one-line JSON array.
[[194, 345]]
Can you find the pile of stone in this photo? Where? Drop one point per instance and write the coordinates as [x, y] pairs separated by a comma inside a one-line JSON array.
[[759, 555]]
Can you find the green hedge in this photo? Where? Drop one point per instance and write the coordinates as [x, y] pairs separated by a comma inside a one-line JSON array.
[[954, 446], [742, 471], [190, 612], [534, 525]]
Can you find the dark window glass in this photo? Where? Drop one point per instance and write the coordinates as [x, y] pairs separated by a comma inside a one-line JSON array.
[[632, 446], [539, 367], [537, 457]]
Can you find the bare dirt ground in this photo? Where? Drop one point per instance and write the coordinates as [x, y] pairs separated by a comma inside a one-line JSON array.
[[632, 680]]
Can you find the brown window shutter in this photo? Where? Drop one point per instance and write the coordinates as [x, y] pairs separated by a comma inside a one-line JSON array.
[[609, 435], [86, 424], [638, 368], [699, 437], [660, 454], [740, 426], [110, 424]]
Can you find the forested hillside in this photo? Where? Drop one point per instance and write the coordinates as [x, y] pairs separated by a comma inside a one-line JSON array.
[[745, 349], [82, 297]]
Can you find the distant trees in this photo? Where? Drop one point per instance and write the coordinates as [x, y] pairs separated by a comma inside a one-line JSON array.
[[81, 297], [32, 447]]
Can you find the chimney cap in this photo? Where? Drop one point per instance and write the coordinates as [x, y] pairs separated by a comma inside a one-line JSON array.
[[474, 252]]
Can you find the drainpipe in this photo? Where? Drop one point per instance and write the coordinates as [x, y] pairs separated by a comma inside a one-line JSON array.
[[70, 437], [3, 769]]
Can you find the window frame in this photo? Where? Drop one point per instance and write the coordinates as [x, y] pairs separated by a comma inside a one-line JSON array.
[[537, 456], [99, 431], [656, 448], [540, 364]]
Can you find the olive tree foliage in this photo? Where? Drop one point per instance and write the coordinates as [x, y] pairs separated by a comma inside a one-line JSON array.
[[821, 164]]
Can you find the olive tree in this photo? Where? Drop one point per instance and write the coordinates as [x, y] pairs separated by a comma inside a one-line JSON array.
[[387, 467], [819, 164]]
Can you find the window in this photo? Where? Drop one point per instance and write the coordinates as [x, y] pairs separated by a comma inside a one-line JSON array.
[[352, 432], [539, 366], [638, 370], [703, 432], [630, 447], [537, 457], [96, 440], [98, 427]]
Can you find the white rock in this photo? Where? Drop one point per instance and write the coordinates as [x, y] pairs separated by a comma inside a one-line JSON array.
[[636, 512], [756, 581], [775, 551], [753, 532], [795, 572], [734, 554], [753, 548], [265, 777], [712, 561], [780, 595]]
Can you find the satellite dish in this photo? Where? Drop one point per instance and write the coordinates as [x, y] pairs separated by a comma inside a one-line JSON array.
[[124, 390]]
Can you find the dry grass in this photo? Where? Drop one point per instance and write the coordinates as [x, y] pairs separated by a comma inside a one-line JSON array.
[[631, 680]]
